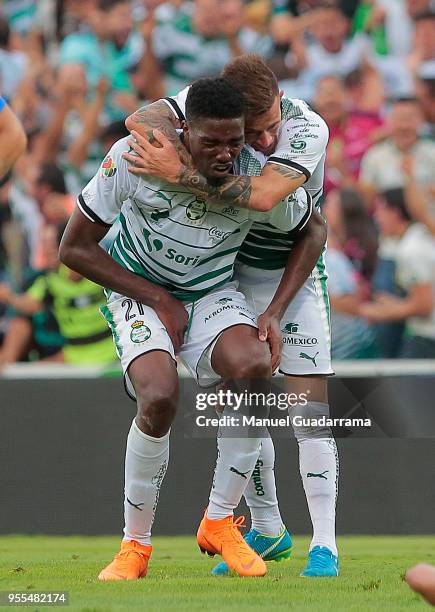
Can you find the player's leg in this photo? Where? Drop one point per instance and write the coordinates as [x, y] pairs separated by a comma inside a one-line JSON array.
[[147, 358], [258, 286], [268, 536], [223, 344], [306, 363], [244, 362], [319, 469], [155, 380]]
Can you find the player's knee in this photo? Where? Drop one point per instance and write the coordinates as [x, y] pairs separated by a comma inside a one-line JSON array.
[[157, 406], [255, 364]]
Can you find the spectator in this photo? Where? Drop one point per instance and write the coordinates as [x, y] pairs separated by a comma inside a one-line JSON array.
[[108, 49], [197, 44], [351, 133], [350, 260], [381, 166], [329, 52], [47, 201], [425, 91], [415, 274], [75, 302]]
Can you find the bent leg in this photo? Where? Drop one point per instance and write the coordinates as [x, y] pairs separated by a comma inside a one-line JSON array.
[[244, 363]]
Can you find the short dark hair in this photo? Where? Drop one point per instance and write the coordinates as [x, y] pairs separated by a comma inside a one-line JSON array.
[[395, 199], [214, 98], [425, 15], [256, 81], [5, 32], [108, 5], [52, 175]]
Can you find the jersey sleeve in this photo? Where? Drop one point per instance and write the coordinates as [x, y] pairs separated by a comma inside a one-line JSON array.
[[290, 215], [2, 103], [302, 143], [102, 198], [178, 103]]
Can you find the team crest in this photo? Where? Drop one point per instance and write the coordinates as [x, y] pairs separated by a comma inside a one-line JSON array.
[[196, 210], [108, 168], [139, 332], [291, 328], [298, 145]]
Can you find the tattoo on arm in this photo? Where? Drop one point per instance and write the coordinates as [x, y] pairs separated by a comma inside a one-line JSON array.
[[235, 190], [286, 171], [159, 116]]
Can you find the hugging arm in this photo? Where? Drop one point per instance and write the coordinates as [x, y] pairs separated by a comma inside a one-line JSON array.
[[172, 162]]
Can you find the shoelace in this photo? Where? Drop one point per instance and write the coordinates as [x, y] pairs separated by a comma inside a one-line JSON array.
[[233, 536], [123, 554]]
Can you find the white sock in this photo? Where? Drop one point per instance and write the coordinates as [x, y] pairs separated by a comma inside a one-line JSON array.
[[146, 460], [318, 463], [234, 465], [260, 493]]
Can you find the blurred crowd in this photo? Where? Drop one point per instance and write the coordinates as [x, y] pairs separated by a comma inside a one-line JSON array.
[[72, 70]]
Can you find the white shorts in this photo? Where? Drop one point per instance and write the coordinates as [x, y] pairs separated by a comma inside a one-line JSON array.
[[137, 330], [305, 326]]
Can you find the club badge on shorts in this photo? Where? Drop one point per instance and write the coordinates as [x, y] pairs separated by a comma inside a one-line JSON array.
[[139, 332]]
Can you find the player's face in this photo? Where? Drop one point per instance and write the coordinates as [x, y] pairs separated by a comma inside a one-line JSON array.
[[214, 145], [262, 131]]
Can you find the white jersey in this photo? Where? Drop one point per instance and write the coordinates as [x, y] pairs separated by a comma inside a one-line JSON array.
[[170, 236], [302, 146]]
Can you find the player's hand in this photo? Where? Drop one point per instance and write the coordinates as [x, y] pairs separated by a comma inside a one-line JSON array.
[[269, 331], [174, 317], [156, 156]]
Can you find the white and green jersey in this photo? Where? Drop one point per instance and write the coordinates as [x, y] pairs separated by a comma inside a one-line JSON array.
[[170, 236], [301, 146]]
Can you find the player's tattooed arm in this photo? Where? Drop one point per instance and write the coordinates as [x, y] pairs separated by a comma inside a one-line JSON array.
[[260, 193], [235, 190], [159, 116]]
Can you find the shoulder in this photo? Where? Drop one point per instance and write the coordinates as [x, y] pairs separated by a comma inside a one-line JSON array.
[[297, 114]]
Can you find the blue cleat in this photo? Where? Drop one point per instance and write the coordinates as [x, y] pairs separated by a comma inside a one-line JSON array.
[[321, 563], [269, 548]]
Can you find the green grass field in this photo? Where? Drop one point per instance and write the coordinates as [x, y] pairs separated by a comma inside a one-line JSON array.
[[372, 570]]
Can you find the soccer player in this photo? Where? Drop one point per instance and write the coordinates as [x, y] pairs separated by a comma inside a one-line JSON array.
[[292, 141], [169, 266], [12, 138]]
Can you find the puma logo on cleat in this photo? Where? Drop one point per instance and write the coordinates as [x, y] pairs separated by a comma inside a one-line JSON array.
[[243, 475], [247, 566], [313, 359], [312, 475], [136, 505]]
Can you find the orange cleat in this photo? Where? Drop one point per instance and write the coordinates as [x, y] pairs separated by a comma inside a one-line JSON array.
[[131, 563], [223, 537]]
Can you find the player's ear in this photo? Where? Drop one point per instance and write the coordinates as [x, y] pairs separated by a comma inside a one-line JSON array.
[[186, 135], [281, 93]]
